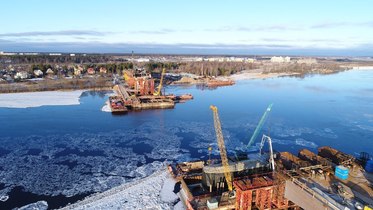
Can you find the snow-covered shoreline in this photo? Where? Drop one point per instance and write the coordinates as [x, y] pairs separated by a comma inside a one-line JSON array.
[[257, 74], [37, 99], [152, 192]]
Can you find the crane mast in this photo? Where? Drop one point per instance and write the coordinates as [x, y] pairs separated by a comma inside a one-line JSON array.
[[158, 92], [221, 144]]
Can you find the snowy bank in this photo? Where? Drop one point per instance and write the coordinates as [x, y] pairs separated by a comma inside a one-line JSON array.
[[36, 99], [152, 192], [256, 74], [40, 205]]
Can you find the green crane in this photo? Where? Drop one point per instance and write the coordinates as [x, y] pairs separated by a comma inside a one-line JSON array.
[[260, 125]]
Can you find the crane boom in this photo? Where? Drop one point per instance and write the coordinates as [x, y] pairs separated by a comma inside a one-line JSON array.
[[221, 144], [158, 92], [260, 125], [271, 158]]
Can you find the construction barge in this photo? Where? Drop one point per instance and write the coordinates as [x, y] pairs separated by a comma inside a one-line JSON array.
[[116, 104], [217, 83], [139, 93]]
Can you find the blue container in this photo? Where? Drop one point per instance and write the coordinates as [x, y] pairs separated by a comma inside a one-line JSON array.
[[341, 172], [369, 166], [341, 176]]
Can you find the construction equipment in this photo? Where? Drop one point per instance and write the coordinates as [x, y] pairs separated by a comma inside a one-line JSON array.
[[221, 144], [127, 75], [271, 159], [158, 92], [260, 125]]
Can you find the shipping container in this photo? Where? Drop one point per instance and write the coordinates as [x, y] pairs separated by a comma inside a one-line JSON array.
[[341, 172]]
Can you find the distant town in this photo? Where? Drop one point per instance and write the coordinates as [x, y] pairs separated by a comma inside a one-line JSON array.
[[31, 71]]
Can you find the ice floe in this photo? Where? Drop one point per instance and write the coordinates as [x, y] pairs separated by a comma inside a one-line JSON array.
[[83, 163], [298, 141], [37, 99], [106, 107]]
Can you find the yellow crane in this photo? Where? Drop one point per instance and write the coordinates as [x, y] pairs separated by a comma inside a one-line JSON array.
[[158, 92], [221, 144], [127, 75]]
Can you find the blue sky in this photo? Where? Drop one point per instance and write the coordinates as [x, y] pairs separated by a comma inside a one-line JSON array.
[[333, 27]]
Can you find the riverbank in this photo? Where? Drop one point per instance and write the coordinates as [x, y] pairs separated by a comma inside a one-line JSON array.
[[64, 84]]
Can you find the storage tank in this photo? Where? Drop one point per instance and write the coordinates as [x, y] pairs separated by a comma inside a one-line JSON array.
[[369, 166], [341, 172]]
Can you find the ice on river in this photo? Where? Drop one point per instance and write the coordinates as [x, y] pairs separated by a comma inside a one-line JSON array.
[[37, 99]]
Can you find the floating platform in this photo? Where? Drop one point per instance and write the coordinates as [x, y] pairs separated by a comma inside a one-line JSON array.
[[217, 83], [153, 102], [134, 102], [116, 104]]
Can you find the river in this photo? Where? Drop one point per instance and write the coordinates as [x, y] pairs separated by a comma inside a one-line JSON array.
[[62, 153]]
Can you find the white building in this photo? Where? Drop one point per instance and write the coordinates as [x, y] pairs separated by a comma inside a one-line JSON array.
[[250, 60], [280, 59], [140, 60]]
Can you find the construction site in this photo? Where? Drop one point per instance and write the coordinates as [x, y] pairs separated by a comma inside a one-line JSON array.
[[138, 92], [267, 179]]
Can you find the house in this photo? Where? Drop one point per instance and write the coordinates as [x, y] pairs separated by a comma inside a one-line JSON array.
[[91, 71], [38, 73], [50, 71], [78, 70], [8, 78], [21, 75], [103, 70]]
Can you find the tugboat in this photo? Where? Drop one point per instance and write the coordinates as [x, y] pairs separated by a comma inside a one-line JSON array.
[[117, 104]]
